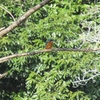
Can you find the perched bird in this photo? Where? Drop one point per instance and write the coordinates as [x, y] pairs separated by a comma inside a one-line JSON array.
[[49, 44]]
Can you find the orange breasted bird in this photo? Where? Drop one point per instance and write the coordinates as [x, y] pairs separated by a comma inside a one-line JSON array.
[[49, 44]]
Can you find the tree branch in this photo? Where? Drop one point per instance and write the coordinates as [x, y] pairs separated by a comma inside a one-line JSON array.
[[3, 75], [2, 28], [4, 59], [8, 12], [22, 18]]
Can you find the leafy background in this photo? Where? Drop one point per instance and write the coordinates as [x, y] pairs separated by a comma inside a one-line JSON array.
[[50, 76]]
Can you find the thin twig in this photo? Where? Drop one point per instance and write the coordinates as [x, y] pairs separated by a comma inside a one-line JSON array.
[[8, 12]]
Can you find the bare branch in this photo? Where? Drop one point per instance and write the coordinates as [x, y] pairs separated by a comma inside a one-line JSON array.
[[2, 28], [87, 73], [87, 76], [3, 75], [4, 59], [22, 18]]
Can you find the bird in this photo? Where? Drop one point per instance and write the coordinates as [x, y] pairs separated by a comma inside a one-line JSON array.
[[49, 44]]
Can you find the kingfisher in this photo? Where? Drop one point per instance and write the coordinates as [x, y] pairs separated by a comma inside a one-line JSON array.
[[49, 44]]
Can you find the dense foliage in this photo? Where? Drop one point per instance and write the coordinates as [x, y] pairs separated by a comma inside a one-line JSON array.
[[50, 76]]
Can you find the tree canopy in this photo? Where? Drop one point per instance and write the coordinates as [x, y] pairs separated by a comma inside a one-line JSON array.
[[68, 71]]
